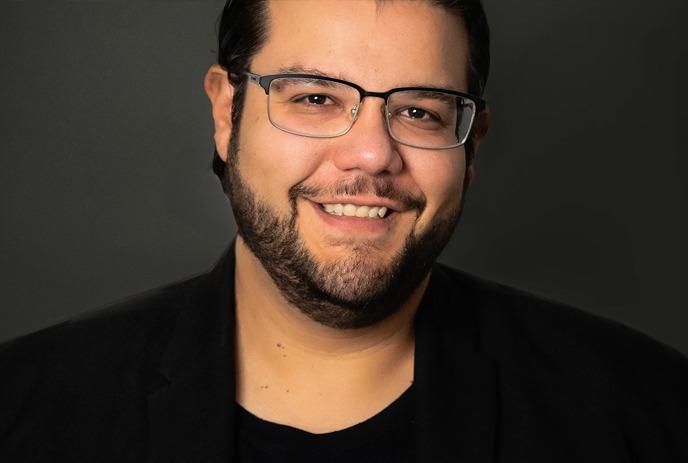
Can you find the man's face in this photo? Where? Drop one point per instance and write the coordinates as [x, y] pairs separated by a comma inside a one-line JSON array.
[[344, 271]]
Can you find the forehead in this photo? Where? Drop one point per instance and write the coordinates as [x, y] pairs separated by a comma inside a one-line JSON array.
[[378, 45]]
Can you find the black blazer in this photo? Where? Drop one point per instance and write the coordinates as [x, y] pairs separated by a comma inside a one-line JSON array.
[[500, 376]]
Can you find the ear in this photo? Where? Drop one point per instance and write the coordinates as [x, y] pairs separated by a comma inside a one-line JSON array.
[[480, 127], [220, 93]]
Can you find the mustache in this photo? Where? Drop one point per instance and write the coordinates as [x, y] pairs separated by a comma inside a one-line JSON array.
[[382, 187]]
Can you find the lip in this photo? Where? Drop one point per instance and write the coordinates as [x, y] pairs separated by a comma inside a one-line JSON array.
[[354, 224]]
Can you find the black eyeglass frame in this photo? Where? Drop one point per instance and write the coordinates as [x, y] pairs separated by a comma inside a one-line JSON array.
[[265, 81]]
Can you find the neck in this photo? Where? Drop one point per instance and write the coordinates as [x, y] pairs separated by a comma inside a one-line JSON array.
[[262, 309], [277, 339]]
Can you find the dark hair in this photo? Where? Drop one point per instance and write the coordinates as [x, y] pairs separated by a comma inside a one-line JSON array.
[[244, 28]]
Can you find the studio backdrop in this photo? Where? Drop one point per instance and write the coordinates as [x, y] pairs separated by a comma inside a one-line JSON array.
[[106, 143]]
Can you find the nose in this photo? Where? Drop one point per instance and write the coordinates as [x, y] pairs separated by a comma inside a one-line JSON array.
[[367, 146]]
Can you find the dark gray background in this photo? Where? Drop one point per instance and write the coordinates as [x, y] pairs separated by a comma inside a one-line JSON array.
[[106, 142]]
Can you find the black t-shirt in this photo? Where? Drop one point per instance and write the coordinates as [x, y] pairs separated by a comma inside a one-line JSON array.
[[387, 436]]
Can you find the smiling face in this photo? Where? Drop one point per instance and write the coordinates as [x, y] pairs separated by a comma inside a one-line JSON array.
[[292, 196]]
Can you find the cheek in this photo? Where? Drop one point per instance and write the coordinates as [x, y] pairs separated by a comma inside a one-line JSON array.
[[272, 161], [440, 176]]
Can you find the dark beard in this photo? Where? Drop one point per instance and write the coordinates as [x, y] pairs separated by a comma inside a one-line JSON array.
[[350, 293]]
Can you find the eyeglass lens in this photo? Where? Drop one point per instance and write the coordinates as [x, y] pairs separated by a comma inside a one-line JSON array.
[[322, 108]]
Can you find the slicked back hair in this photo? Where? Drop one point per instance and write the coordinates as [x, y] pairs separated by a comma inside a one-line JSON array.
[[244, 27]]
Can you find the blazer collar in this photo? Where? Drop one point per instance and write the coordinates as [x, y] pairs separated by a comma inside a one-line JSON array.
[[191, 416], [456, 384]]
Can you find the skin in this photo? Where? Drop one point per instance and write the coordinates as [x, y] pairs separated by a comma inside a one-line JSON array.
[[291, 369]]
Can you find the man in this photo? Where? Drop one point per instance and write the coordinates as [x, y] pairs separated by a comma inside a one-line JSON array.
[[345, 135]]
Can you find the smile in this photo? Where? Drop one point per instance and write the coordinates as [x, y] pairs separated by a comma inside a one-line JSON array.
[[352, 210]]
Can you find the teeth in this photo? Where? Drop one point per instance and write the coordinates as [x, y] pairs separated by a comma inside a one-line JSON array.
[[351, 210]]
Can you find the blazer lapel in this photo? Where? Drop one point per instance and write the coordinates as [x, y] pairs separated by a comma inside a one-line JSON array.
[[191, 412], [456, 407]]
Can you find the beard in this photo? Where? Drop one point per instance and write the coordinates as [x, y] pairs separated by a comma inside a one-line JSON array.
[[357, 290]]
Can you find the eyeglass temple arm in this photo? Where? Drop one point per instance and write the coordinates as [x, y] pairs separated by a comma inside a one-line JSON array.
[[252, 77]]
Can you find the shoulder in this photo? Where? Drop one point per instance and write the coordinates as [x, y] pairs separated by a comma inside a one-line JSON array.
[[536, 316], [551, 349], [115, 328], [99, 354], [510, 318], [519, 328]]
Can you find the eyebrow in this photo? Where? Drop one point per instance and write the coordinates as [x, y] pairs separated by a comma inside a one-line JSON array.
[[285, 82], [304, 70], [297, 69], [434, 96]]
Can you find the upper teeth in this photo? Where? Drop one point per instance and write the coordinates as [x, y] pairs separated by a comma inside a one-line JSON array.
[[351, 210]]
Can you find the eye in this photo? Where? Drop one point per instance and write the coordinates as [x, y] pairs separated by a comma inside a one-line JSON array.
[[416, 113], [313, 99], [317, 99], [419, 114]]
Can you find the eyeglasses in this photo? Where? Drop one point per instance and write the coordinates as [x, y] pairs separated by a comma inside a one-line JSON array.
[[325, 107]]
